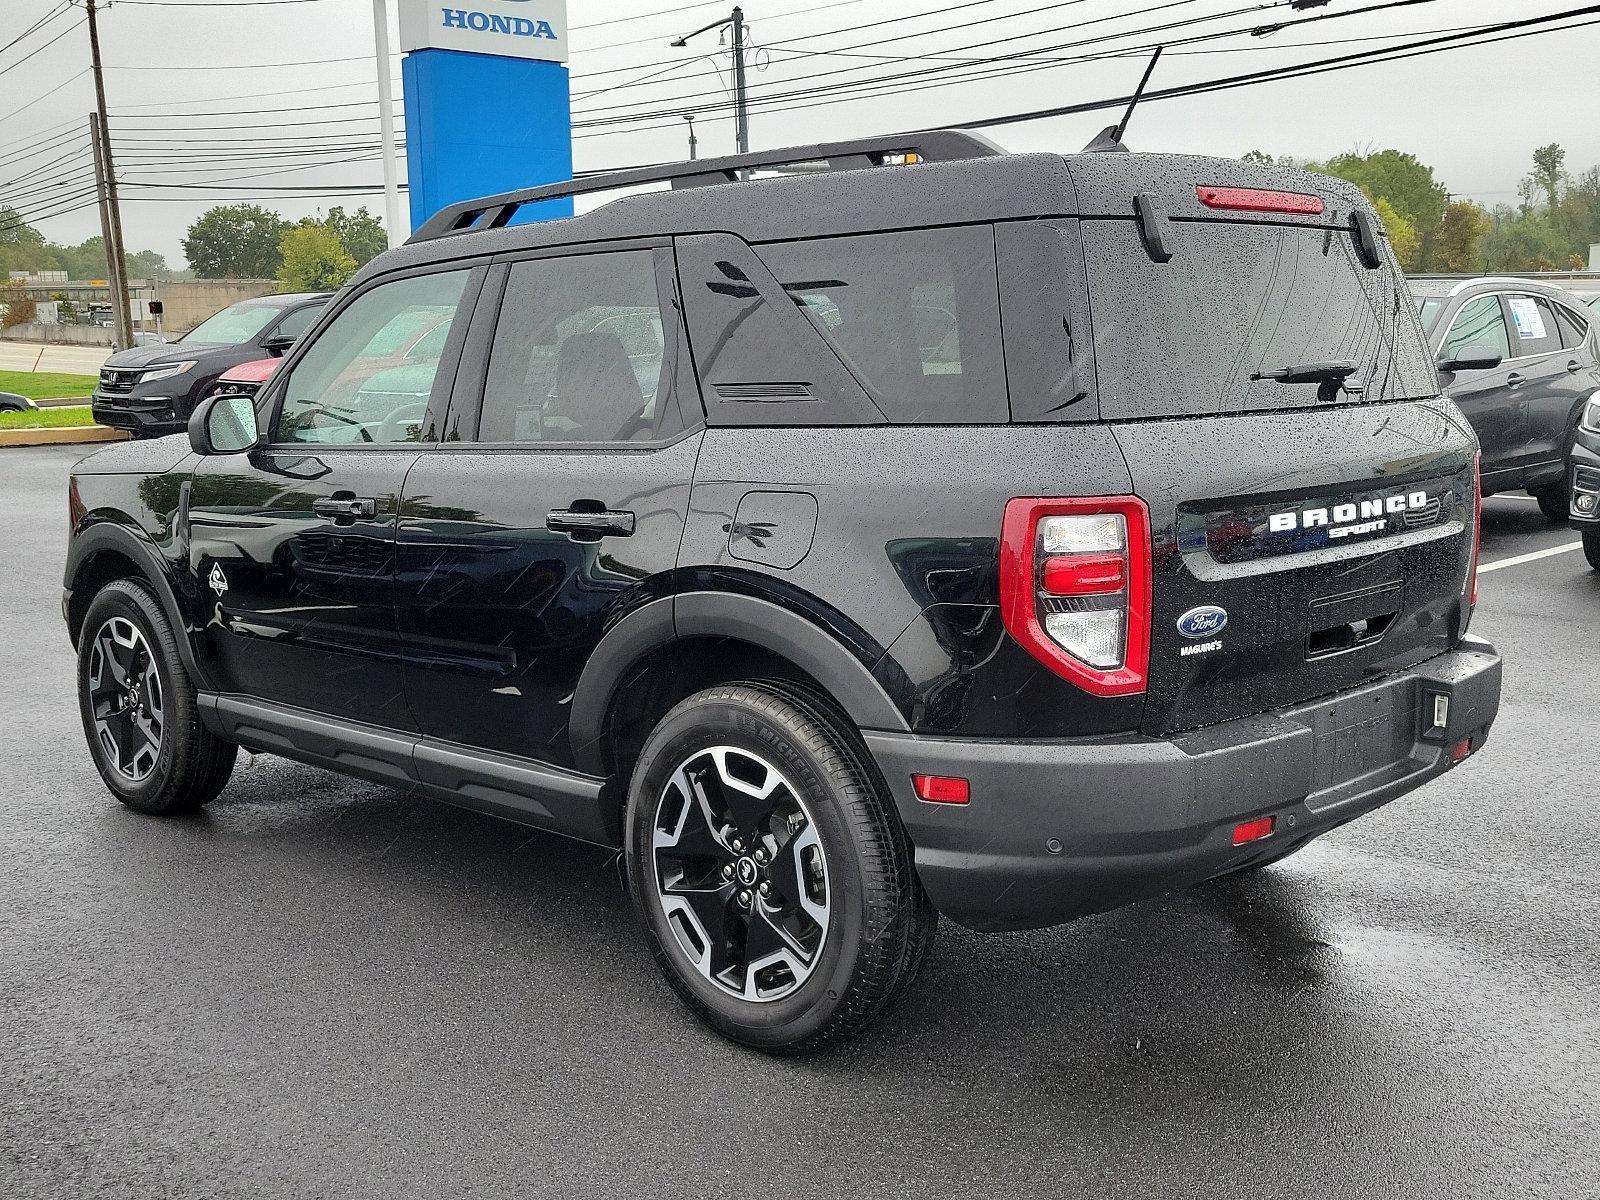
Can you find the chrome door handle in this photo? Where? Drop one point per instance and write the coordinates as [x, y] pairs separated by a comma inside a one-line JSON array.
[[1514, 380], [345, 508], [589, 526]]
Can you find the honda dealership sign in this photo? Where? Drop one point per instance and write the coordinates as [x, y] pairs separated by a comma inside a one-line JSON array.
[[512, 28], [488, 106]]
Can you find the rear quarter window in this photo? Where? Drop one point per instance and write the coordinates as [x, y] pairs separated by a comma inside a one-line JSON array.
[[915, 316]]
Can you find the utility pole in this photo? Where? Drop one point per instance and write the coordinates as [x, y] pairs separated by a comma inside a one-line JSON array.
[[689, 117], [116, 263], [741, 113], [741, 109], [391, 170]]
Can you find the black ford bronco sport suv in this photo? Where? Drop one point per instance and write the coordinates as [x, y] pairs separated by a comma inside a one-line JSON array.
[[936, 530]]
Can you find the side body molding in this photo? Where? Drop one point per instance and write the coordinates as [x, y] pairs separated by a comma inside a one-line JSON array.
[[727, 615]]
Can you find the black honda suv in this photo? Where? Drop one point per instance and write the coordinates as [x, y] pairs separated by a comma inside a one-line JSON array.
[[933, 530], [151, 390]]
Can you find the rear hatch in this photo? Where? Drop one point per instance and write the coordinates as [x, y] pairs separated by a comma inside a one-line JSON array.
[[1311, 499]]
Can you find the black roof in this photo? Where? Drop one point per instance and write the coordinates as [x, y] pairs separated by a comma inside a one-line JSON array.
[[862, 197]]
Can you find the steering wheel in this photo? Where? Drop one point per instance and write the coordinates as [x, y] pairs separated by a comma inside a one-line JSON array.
[[395, 425]]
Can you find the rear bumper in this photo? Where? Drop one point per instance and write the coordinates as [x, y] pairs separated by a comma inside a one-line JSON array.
[[1058, 830]]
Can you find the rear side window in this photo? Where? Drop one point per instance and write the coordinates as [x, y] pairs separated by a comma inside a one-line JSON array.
[[1535, 325], [1573, 327], [1480, 324], [578, 352], [915, 316], [1239, 300]]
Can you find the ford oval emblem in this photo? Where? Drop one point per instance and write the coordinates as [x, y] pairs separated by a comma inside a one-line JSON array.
[[1204, 621]]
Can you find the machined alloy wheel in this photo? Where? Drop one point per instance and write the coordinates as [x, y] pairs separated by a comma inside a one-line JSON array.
[[140, 711], [769, 867], [740, 873], [126, 696]]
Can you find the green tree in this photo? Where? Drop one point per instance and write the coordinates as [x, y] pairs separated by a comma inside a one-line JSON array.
[[1407, 184], [147, 264], [1402, 234], [14, 231], [360, 233], [237, 241], [1549, 171], [313, 260], [1457, 244]]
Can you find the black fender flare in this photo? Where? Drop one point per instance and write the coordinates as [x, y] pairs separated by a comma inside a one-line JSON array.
[[721, 614], [107, 535]]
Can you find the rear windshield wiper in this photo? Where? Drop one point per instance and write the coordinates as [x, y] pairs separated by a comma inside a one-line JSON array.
[[1318, 372]]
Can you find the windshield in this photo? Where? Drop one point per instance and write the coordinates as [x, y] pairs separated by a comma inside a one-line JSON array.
[[232, 325]]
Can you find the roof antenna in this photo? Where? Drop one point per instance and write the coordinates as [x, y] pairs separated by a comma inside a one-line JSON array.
[[1109, 139]]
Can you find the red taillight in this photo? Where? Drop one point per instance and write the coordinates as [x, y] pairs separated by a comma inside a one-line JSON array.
[[1259, 200], [1477, 520], [1075, 588], [1253, 831], [941, 789]]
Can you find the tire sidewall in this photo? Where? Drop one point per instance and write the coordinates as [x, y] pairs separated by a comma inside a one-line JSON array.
[[133, 603], [722, 720]]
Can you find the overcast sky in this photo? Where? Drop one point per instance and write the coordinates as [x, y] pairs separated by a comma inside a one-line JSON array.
[[1474, 114]]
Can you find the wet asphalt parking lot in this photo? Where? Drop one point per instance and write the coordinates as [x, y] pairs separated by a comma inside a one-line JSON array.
[[327, 988]]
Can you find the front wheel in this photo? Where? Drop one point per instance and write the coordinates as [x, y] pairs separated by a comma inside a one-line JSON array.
[[1591, 549], [770, 870], [139, 710]]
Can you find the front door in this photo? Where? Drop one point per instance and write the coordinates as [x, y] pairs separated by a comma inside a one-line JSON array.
[[561, 508], [291, 545], [1553, 383]]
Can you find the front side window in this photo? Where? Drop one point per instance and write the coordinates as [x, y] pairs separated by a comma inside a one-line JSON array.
[[1480, 325], [356, 383], [1535, 324], [578, 352], [294, 326]]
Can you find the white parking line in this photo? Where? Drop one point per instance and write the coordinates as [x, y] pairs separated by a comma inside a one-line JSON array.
[[1527, 558], [1524, 499]]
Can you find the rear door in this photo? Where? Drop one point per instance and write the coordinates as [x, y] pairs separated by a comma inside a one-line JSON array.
[[1311, 501], [1488, 398], [1548, 389], [555, 507]]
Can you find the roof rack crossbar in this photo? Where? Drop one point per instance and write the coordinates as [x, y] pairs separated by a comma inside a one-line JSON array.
[[495, 212]]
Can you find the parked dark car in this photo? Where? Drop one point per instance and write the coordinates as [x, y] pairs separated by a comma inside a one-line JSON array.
[[151, 390], [795, 536], [1586, 481], [1519, 357]]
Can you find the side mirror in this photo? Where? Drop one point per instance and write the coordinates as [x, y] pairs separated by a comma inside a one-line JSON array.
[[278, 343], [224, 425], [1476, 357]]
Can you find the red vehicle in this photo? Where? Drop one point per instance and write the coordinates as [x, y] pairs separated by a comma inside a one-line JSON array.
[[246, 379]]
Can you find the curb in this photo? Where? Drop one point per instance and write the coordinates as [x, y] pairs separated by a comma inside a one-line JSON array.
[[70, 435]]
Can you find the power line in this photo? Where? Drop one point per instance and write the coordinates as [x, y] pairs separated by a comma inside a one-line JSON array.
[[44, 45]]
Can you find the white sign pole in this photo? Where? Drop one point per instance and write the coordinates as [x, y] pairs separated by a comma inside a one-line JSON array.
[[391, 169]]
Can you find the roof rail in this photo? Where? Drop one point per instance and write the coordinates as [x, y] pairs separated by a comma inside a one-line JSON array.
[[494, 212]]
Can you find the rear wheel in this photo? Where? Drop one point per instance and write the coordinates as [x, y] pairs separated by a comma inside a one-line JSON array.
[[1591, 549], [1552, 500], [770, 870], [138, 707]]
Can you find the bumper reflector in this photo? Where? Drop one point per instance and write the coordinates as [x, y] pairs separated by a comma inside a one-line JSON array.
[[941, 789], [1253, 831], [1460, 750]]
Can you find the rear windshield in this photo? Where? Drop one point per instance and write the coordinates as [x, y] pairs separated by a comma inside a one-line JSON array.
[[1237, 302]]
